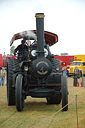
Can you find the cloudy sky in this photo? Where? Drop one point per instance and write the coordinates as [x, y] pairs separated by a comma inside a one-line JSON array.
[[66, 18]]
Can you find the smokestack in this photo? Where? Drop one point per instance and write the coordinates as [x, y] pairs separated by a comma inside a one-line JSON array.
[[40, 33]]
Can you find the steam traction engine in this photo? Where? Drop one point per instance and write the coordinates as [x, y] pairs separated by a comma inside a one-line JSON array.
[[36, 73]]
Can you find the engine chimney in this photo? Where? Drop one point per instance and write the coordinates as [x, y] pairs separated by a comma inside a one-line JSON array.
[[41, 66], [40, 34]]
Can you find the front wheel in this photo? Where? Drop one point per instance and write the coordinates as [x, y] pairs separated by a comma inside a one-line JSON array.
[[64, 93], [19, 93]]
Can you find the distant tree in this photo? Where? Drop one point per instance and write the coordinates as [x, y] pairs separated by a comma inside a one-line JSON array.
[[64, 54], [12, 50]]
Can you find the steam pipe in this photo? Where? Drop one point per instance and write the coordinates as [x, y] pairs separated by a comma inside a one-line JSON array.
[[40, 33]]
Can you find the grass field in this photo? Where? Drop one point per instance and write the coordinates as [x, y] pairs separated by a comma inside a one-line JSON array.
[[38, 114]]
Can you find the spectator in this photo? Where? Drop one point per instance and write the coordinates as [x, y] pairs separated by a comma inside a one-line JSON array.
[[76, 70], [65, 71], [76, 75], [2, 75]]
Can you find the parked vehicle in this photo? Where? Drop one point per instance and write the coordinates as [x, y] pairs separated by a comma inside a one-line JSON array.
[[67, 60], [79, 60], [79, 57], [5, 59], [80, 65], [1, 61]]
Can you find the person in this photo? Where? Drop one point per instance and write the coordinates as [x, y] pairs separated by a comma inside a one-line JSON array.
[[65, 71], [76, 75], [76, 70], [22, 51], [21, 47], [2, 75]]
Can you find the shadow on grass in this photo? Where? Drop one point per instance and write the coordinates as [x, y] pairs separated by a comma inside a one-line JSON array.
[[31, 106], [41, 106]]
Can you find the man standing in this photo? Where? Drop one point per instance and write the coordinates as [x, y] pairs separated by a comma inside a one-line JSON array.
[[65, 71], [76, 74], [2, 75]]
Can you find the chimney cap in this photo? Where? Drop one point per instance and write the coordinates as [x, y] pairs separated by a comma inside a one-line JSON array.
[[39, 15]]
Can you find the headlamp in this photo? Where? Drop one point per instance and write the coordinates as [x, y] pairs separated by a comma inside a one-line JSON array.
[[26, 68], [57, 69]]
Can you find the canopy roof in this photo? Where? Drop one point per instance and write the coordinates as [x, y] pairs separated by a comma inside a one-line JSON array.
[[50, 38]]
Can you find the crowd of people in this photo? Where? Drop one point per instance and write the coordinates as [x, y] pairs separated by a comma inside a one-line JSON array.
[[2, 76]]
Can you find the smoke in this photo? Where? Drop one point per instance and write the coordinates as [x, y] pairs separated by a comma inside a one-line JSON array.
[[28, 35]]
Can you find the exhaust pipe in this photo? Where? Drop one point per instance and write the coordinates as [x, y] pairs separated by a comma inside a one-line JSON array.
[[40, 34]]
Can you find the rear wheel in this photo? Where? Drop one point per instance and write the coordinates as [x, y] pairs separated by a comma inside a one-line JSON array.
[[19, 93], [56, 68], [10, 88], [54, 99], [64, 93]]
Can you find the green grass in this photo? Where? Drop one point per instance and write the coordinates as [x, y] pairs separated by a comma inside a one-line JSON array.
[[38, 114]]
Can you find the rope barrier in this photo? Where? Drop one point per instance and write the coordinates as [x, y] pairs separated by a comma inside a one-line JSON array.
[[53, 114], [75, 98], [76, 110]]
